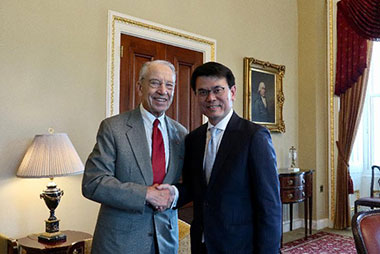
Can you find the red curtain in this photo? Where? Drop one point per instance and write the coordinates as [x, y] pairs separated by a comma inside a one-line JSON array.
[[357, 22], [351, 106], [363, 16]]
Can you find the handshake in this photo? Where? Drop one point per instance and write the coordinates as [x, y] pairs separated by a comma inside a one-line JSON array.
[[160, 197]]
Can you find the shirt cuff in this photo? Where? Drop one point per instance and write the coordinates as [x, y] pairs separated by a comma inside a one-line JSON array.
[[174, 203]]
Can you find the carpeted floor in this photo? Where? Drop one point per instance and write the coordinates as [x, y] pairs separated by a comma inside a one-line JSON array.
[[321, 243], [300, 233]]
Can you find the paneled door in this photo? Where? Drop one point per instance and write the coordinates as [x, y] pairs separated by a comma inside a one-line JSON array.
[[135, 52]]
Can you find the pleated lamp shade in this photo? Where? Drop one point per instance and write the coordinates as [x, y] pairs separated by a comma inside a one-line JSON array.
[[50, 155]]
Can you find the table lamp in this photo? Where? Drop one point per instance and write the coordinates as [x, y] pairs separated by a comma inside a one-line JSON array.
[[51, 155]]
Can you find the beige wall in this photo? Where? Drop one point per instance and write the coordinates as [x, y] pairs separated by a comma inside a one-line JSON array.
[[53, 74], [313, 92]]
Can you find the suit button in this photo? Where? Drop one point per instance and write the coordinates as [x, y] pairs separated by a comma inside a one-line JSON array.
[[150, 234], [206, 204]]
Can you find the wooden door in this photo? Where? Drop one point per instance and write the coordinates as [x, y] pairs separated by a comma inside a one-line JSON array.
[[135, 52]]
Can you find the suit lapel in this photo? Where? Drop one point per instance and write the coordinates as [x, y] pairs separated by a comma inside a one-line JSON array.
[[139, 145], [199, 152], [225, 148]]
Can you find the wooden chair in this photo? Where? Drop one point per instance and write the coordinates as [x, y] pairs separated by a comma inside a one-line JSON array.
[[8, 245], [366, 231], [371, 201]]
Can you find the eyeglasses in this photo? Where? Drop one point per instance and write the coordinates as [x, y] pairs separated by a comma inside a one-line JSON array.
[[155, 83], [218, 90]]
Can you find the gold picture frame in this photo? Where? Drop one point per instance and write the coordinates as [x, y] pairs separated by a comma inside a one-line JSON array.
[[263, 95]]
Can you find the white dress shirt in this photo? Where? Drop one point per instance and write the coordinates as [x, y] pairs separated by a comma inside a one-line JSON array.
[[148, 119], [218, 137], [264, 100]]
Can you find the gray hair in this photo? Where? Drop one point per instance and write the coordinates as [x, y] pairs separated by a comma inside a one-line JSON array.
[[145, 66], [261, 85]]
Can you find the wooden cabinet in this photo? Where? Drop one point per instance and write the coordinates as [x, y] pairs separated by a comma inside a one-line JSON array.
[[292, 188], [75, 244], [296, 187]]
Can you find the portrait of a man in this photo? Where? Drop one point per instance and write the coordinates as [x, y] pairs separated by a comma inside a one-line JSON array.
[[263, 97]]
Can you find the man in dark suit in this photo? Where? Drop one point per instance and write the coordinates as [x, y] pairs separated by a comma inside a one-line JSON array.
[[125, 167], [237, 207]]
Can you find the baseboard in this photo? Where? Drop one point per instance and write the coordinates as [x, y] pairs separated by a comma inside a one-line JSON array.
[[299, 223], [320, 224]]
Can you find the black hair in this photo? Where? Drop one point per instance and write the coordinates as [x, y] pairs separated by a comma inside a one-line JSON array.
[[212, 69]]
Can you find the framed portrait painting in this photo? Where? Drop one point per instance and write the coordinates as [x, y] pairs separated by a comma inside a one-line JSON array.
[[263, 95]]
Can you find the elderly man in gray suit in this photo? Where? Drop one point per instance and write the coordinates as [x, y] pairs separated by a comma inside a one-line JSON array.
[[133, 155]]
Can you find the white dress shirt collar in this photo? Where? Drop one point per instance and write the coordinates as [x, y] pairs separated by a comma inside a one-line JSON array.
[[222, 125], [147, 116]]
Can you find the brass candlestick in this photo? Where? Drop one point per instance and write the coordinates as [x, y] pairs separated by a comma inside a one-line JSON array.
[[293, 156]]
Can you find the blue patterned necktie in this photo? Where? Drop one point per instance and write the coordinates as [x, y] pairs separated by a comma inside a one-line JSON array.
[[210, 153]]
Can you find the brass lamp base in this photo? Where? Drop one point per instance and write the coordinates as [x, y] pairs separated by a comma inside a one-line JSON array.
[[52, 234], [52, 237], [52, 195]]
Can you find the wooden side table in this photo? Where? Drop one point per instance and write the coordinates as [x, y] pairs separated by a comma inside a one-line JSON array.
[[296, 187], [74, 244]]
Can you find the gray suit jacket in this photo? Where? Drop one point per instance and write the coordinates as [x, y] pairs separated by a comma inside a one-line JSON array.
[[117, 174]]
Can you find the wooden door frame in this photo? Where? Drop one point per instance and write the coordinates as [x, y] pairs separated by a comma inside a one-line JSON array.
[[119, 23]]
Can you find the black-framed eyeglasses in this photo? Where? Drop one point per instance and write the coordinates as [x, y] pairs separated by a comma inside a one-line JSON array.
[[155, 83], [218, 90]]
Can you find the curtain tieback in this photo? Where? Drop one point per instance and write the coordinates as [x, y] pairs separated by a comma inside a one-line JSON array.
[[341, 155], [350, 183]]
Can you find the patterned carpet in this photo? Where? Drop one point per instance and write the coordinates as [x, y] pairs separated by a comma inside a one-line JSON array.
[[321, 243]]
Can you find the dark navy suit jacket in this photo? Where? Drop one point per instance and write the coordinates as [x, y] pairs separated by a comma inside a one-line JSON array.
[[239, 211]]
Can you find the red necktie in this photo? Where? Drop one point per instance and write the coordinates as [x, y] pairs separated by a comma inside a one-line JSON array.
[[158, 154]]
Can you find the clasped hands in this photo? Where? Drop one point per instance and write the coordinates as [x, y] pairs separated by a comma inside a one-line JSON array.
[[160, 196]]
